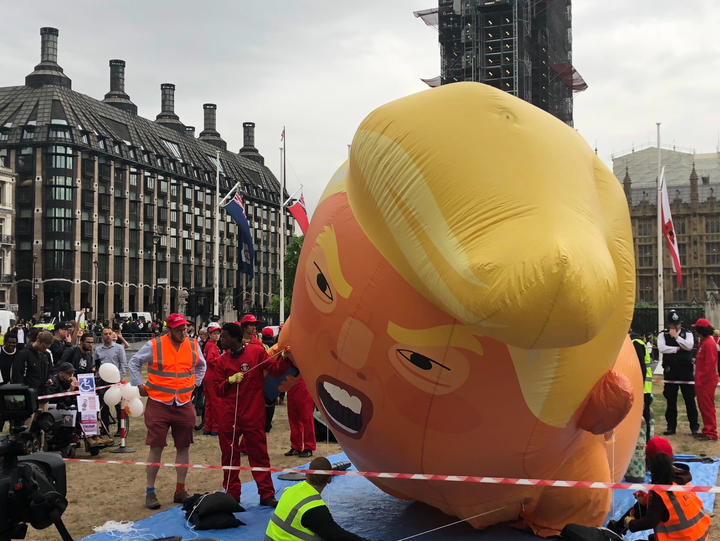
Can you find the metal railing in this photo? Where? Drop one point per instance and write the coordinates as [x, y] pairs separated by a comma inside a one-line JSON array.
[[7, 239]]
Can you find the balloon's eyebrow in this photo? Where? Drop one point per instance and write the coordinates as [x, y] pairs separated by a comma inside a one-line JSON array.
[[458, 336], [328, 243]]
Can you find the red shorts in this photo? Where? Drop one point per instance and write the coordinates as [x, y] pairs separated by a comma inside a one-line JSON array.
[[159, 417]]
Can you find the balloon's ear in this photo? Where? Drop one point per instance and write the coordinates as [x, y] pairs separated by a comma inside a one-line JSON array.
[[608, 403]]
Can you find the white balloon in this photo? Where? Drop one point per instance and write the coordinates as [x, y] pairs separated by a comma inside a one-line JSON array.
[[129, 392], [136, 407], [113, 395], [110, 373]]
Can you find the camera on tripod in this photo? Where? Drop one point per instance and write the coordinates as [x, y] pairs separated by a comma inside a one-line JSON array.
[[32, 488]]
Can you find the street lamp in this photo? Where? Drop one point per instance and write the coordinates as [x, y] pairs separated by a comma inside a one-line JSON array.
[[33, 301], [156, 239], [96, 296]]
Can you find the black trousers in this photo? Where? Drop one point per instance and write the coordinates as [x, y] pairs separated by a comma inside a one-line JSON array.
[[648, 400], [670, 392]]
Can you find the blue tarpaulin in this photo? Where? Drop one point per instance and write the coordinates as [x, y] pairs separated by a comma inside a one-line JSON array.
[[357, 505]]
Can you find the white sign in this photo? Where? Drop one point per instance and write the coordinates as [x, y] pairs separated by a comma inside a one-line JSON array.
[[89, 423], [86, 384], [162, 281]]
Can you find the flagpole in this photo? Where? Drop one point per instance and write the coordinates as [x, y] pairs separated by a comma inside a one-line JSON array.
[[216, 270], [282, 231], [661, 290]]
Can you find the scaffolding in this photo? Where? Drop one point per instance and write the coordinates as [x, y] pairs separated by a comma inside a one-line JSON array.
[[523, 47]]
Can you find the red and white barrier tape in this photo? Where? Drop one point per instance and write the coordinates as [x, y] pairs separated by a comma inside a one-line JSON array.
[[676, 382], [69, 393], [424, 477]]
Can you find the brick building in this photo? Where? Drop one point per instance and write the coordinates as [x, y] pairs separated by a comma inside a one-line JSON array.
[[115, 211]]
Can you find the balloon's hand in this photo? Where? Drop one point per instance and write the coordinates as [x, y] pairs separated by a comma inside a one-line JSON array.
[[236, 378]]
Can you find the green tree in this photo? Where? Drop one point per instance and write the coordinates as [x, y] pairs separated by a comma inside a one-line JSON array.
[[292, 256]]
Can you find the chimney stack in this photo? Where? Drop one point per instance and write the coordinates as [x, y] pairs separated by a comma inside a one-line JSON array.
[[210, 110], [210, 133], [167, 91], [49, 44], [117, 97], [248, 150], [167, 116], [117, 76], [48, 72], [190, 131]]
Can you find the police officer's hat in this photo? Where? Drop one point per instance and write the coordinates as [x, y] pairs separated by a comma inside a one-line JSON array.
[[674, 318]]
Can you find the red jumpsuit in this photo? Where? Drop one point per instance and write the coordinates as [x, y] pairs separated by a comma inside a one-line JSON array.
[[706, 380], [242, 414], [212, 356], [300, 416]]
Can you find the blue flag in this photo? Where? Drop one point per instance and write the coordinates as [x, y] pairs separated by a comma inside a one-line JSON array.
[[236, 209]]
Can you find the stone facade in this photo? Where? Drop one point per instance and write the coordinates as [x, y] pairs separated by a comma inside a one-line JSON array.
[[696, 214]]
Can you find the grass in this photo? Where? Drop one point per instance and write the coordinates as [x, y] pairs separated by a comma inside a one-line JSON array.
[[684, 443]]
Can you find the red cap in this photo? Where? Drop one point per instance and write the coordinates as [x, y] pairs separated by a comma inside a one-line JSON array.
[[658, 445], [175, 320], [249, 318], [267, 331], [702, 323]]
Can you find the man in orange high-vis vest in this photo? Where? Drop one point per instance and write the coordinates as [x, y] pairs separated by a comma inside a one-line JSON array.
[[175, 367]]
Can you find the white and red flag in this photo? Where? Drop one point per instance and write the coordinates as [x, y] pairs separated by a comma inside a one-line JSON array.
[[668, 229], [299, 212]]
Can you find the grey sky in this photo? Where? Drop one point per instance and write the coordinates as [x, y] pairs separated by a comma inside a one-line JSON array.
[[320, 67]]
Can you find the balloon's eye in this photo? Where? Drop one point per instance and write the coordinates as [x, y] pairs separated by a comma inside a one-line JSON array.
[[420, 360], [322, 283]]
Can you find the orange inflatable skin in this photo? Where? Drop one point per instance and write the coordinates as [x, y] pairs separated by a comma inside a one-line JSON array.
[[530, 383], [481, 427]]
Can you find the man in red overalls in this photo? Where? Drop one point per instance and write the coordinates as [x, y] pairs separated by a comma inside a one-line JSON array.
[[239, 384], [706, 379], [212, 357], [300, 409]]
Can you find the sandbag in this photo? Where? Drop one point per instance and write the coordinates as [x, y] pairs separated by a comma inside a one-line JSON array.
[[213, 511]]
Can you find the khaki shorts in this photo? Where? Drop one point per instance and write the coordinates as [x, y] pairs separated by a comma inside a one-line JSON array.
[[160, 417]]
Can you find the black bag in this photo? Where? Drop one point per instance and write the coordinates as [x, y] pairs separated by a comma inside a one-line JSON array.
[[213, 511], [576, 532]]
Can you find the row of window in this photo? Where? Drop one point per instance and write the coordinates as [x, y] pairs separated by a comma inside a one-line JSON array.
[[646, 228]]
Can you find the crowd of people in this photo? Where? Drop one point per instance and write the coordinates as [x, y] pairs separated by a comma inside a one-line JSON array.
[[690, 366]]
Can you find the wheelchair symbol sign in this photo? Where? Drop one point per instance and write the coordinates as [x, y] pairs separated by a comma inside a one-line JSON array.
[[86, 383]]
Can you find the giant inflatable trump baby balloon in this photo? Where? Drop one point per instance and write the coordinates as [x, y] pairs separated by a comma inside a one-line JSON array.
[[461, 306]]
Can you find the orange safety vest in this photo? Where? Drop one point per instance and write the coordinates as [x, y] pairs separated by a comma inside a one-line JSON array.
[[171, 374], [687, 522]]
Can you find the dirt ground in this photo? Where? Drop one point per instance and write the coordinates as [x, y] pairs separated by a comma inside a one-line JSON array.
[[100, 492]]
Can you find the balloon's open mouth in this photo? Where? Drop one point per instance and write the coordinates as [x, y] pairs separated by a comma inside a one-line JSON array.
[[348, 410]]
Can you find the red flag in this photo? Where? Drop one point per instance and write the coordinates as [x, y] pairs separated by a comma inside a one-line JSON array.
[[299, 212], [282, 135], [668, 229]]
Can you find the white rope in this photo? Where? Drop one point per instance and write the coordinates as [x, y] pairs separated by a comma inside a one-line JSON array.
[[458, 522], [612, 473], [124, 531]]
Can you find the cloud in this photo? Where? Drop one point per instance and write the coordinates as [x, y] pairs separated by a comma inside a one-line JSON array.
[[319, 68]]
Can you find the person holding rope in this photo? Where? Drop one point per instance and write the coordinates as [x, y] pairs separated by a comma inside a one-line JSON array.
[[706, 379], [302, 513], [676, 345], [239, 384], [175, 367]]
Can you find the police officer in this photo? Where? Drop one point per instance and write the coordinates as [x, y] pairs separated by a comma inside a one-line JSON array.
[[676, 345], [643, 354]]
